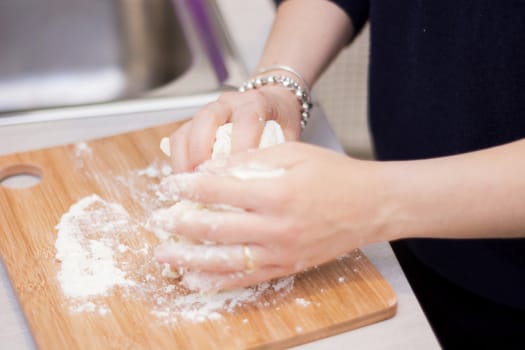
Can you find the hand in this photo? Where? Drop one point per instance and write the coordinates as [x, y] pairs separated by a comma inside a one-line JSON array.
[[317, 206], [192, 143]]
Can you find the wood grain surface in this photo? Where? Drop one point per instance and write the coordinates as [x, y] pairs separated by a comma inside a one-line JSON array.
[[336, 297]]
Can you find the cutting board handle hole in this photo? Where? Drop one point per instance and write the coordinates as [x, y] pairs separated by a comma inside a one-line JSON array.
[[20, 176]]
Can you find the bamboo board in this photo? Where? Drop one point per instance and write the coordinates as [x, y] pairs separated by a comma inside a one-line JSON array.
[[339, 296]]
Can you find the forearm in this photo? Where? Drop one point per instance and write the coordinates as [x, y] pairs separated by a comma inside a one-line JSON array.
[[306, 35], [474, 195]]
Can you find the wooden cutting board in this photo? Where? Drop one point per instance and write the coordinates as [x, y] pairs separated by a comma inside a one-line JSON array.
[[339, 296]]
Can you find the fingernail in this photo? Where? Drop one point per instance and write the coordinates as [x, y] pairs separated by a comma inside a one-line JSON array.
[[165, 146]]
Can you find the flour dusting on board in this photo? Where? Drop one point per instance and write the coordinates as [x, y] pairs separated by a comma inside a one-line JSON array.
[[88, 266], [83, 149], [103, 252], [82, 152]]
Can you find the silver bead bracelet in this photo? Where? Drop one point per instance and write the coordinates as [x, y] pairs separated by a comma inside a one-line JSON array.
[[288, 69], [287, 82]]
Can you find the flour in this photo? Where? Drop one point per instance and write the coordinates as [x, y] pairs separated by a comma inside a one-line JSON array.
[[87, 265], [200, 307], [303, 302], [254, 170], [97, 261], [82, 153], [82, 149], [150, 171], [272, 135], [165, 170], [103, 250]]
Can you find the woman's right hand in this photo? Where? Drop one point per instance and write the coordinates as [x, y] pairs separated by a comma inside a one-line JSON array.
[[192, 143]]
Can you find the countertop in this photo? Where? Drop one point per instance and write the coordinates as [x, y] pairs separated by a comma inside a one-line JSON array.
[[409, 329]]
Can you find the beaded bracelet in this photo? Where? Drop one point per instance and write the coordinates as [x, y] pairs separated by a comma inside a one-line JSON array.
[[289, 69], [287, 82]]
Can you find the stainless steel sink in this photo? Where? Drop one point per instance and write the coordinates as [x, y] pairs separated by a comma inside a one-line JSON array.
[[59, 53]]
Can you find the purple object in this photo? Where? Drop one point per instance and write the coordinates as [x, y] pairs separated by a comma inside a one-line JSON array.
[[201, 18]]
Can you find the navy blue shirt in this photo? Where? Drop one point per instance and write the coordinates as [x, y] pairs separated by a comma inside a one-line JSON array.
[[448, 77]]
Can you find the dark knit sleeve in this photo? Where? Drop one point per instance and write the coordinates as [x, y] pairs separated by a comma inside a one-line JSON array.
[[357, 10]]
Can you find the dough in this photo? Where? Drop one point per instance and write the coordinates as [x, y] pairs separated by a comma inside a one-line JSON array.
[[272, 135]]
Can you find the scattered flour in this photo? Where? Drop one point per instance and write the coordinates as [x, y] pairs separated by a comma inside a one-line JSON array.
[[82, 152], [151, 171], [97, 260], [165, 170], [82, 149], [87, 265], [303, 302], [102, 251]]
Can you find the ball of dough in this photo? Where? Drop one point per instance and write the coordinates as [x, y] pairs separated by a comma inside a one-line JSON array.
[[272, 135]]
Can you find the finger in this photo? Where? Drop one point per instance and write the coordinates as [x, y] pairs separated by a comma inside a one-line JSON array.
[[179, 148], [248, 125], [209, 258], [205, 225], [212, 189], [214, 282], [203, 129], [249, 120], [291, 129], [282, 156]]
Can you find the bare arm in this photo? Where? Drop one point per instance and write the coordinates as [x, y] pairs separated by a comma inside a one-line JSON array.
[[474, 195], [307, 35]]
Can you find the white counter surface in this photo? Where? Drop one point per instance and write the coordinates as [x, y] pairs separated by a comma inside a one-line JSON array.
[[409, 329]]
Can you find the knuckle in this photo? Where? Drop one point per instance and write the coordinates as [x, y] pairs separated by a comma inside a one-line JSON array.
[[256, 95], [180, 131], [228, 96], [253, 116], [259, 100], [205, 115]]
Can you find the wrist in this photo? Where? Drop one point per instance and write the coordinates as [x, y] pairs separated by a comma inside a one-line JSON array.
[[389, 192], [287, 71], [301, 95], [288, 108]]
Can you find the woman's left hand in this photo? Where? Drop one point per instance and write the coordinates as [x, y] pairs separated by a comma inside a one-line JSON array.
[[313, 206]]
